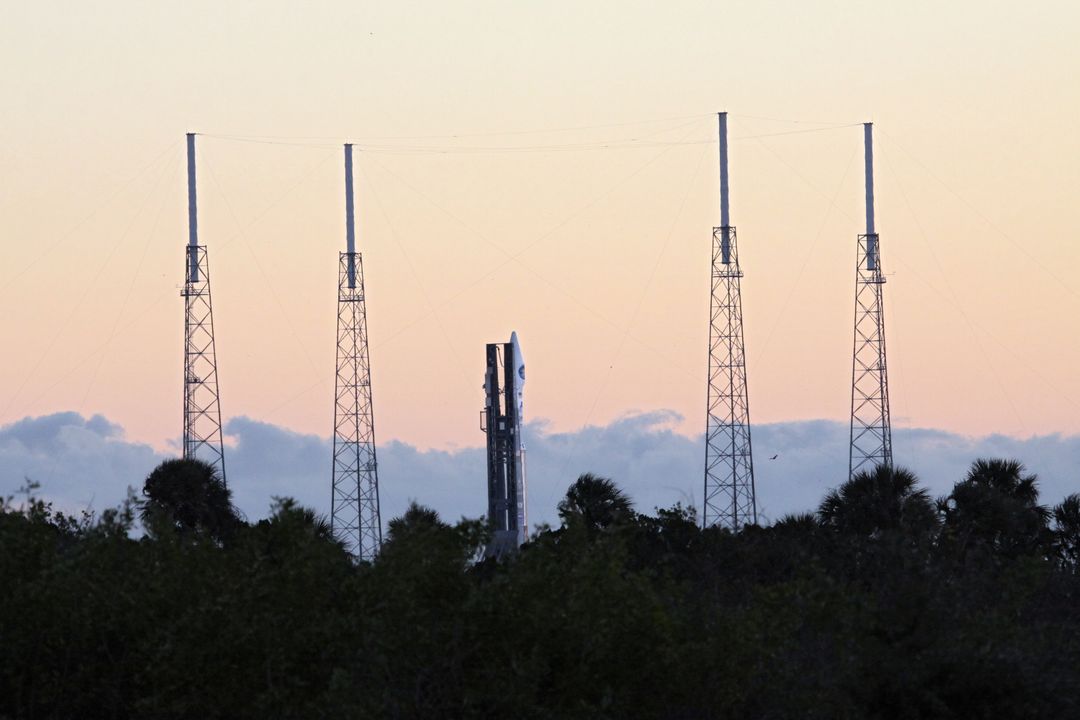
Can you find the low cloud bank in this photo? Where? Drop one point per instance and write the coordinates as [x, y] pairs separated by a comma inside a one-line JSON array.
[[86, 462], [80, 463]]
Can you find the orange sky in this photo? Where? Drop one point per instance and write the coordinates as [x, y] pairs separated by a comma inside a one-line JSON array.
[[546, 168]]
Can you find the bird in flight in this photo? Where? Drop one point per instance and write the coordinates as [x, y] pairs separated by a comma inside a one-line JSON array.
[[775, 456]]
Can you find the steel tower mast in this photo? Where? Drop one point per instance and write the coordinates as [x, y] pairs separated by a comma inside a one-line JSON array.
[[202, 409], [354, 499], [871, 431], [729, 464]]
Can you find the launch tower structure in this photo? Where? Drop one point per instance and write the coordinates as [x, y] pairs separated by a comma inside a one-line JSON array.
[[202, 437], [871, 431], [729, 465], [502, 421], [354, 497]]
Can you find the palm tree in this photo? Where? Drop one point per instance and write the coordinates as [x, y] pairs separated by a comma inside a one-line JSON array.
[[189, 497], [1007, 477], [1067, 531], [418, 519], [996, 507], [797, 524], [596, 503], [872, 503]]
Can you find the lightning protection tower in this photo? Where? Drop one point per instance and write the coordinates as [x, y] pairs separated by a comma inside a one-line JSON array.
[[729, 464], [871, 432], [354, 500], [202, 409]]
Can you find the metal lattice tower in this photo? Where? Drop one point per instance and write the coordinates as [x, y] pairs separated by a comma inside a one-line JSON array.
[[729, 465], [354, 502], [871, 430], [202, 408]]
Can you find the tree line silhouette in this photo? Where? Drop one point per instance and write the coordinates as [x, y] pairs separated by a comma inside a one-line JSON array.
[[884, 603]]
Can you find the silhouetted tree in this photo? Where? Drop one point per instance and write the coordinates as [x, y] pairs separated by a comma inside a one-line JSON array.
[[190, 498], [1067, 531], [596, 503], [859, 611], [879, 501], [417, 520], [995, 511]]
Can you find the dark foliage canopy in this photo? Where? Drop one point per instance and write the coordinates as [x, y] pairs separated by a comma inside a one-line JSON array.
[[190, 498], [882, 604], [595, 503]]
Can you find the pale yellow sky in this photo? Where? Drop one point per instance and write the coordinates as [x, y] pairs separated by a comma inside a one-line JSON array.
[[598, 257]]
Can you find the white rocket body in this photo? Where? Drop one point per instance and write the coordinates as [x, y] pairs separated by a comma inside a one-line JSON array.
[[519, 371], [518, 361]]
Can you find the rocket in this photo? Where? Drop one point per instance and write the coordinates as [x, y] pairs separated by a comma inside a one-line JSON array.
[[502, 421], [518, 363]]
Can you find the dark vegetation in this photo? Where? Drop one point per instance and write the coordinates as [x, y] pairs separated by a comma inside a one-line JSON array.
[[885, 603]]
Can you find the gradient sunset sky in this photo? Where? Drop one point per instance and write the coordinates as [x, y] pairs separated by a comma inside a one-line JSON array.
[[549, 168]]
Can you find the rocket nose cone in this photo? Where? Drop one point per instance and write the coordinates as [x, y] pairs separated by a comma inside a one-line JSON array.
[[518, 357]]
